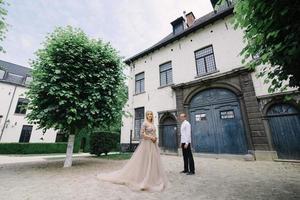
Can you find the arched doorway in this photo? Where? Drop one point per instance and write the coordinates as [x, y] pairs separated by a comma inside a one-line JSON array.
[[284, 122], [168, 131], [217, 125]]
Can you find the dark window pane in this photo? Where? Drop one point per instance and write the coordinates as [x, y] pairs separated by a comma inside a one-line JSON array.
[[210, 63], [25, 133], [138, 120], [169, 77], [166, 74], [139, 76], [21, 106], [163, 78], [165, 66], [178, 28], [137, 87], [201, 66], [142, 85], [205, 61], [204, 52], [139, 83]]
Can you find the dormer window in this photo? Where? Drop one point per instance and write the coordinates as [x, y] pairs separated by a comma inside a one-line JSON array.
[[2, 73], [28, 80], [14, 78], [178, 25]]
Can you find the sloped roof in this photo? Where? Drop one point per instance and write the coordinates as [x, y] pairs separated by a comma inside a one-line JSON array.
[[199, 23], [15, 74]]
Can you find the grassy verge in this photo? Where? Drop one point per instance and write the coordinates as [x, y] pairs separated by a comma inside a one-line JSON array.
[[117, 156]]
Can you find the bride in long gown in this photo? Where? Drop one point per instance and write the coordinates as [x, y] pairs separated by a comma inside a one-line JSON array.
[[144, 171]]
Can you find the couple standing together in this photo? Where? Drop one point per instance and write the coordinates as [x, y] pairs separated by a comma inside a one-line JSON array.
[[144, 171]]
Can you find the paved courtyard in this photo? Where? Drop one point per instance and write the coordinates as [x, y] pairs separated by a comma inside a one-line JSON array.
[[215, 179]]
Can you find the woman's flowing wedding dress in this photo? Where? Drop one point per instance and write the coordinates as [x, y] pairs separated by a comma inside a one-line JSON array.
[[144, 171]]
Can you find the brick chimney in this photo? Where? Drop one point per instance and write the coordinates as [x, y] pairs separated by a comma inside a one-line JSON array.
[[190, 19]]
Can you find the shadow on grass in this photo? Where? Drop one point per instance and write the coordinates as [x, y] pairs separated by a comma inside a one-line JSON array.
[[117, 156]]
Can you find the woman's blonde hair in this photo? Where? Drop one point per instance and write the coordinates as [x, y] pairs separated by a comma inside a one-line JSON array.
[[148, 111]]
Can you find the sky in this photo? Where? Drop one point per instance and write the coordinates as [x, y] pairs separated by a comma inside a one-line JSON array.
[[129, 25]]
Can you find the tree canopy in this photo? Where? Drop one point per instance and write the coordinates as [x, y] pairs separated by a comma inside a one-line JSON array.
[[3, 24], [272, 30], [77, 82]]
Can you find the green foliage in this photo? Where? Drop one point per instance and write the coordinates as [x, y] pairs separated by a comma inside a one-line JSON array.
[[33, 148], [272, 30], [77, 83], [84, 134], [3, 24], [103, 142]]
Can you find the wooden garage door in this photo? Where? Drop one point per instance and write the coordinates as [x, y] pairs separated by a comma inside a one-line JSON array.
[[217, 125], [284, 121]]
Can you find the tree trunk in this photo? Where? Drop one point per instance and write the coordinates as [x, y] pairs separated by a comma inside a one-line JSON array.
[[68, 160]]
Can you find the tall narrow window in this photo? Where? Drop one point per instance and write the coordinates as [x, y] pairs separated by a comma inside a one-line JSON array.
[[21, 106], [166, 76], [138, 121], [139, 83], [25, 133], [205, 61]]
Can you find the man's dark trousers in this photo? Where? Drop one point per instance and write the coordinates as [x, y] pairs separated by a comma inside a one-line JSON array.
[[188, 159]]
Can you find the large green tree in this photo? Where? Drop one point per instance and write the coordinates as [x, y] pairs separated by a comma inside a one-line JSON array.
[[272, 36], [77, 83], [3, 24]]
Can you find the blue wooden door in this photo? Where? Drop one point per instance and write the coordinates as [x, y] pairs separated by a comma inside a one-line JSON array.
[[203, 138], [169, 137], [168, 130], [284, 121], [217, 125], [229, 128]]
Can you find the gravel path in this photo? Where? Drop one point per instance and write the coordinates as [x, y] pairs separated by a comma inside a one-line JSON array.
[[214, 179]]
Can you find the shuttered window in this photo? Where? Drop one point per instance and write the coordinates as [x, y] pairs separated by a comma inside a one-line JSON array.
[[139, 83], [166, 76], [205, 61]]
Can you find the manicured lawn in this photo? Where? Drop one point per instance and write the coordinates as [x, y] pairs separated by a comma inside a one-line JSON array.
[[117, 156]]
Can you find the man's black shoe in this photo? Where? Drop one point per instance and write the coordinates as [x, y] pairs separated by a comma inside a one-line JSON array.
[[190, 173], [183, 172]]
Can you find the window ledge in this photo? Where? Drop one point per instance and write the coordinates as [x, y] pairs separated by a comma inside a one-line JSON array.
[[209, 73], [168, 85], [139, 93]]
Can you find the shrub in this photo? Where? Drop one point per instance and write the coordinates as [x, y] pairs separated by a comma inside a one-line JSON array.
[[33, 148], [103, 142]]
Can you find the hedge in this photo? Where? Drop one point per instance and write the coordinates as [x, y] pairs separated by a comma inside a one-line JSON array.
[[35, 148], [104, 142]]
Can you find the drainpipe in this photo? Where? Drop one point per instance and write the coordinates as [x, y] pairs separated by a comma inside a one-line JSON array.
[[9, 107]]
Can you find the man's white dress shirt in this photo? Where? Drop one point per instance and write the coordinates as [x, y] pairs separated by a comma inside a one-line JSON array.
[[186, 134]]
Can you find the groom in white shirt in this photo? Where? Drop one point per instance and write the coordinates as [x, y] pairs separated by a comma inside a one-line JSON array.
[[189, 166]]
